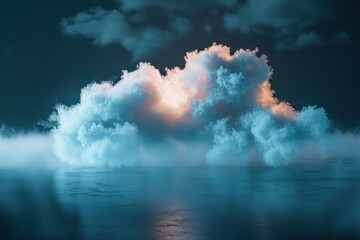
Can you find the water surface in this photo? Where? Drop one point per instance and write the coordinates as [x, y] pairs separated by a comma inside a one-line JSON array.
[[173, 203]]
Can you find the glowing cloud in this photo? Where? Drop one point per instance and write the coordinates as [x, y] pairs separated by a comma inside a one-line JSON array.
[[219, 107], [265, 97]]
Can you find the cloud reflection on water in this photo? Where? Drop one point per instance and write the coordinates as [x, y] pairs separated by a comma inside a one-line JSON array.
[[30, 208], [308, 202]]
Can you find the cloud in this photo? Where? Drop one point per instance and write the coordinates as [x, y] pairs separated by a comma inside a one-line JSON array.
[[283, 16], [309, 39], [145, 27], [289, 21], [219, 107], [133, 32]]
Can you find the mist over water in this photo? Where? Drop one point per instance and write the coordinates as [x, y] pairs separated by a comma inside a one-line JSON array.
[[312, 201]]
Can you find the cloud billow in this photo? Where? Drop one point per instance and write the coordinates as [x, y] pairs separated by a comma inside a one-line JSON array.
[[219, 108], [131, 31]]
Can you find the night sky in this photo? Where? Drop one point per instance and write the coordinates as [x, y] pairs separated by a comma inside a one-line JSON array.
[[49, 50], [179, 119]]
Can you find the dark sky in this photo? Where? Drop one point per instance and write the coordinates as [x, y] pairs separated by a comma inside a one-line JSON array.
[[49, 50]]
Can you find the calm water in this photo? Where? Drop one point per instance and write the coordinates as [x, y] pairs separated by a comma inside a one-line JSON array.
[[173, 203]]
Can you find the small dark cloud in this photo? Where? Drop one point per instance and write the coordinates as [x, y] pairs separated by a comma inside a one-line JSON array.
[[180, 25], [138, 36], [282, 16], [208, 28], [290, 23], [341, 37], [310, 39]]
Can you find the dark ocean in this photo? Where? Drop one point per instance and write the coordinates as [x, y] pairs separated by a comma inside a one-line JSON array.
[[312, 201]]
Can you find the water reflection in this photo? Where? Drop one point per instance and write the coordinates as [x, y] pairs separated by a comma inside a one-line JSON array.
[[173, 203], [29, 207], [174, 223]]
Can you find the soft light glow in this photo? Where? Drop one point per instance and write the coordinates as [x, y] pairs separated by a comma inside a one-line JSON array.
[[265, 97]]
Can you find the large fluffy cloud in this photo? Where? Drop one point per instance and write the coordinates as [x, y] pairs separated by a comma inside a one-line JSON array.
[[219, 107]]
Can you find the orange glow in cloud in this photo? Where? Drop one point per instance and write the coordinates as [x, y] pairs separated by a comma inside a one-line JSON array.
[[172, 99], [173, 94], [265, 97]]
